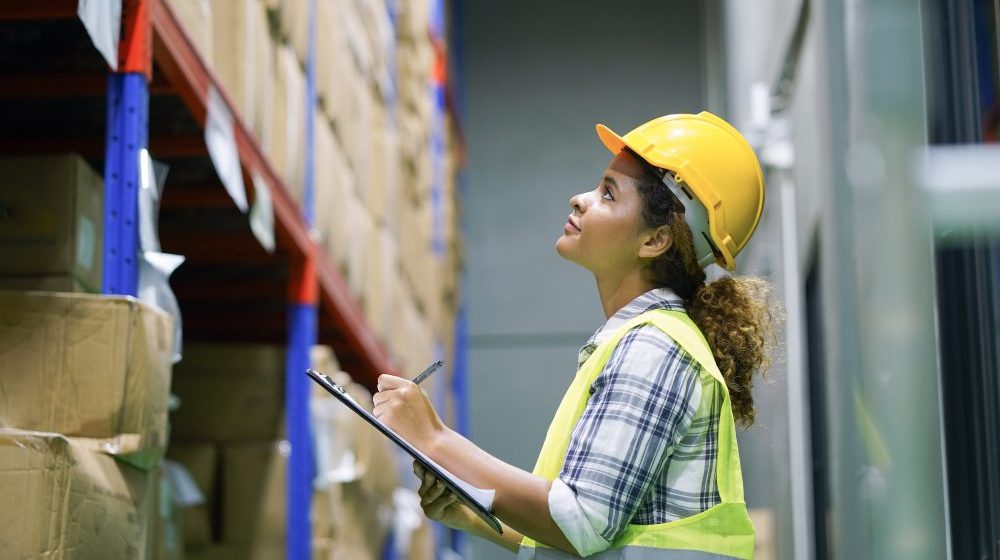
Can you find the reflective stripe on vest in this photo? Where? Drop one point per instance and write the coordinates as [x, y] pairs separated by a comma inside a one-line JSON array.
[[722, 531]]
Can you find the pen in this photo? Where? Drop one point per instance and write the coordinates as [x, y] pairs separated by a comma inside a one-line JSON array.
[[427, 372]]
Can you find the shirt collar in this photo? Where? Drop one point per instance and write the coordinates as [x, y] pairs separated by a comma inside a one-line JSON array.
[[657, 298]]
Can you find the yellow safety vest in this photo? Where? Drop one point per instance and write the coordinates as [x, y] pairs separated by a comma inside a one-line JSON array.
[[720, 532]]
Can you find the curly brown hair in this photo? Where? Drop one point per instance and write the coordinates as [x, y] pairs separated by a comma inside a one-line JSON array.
[[735, 313]]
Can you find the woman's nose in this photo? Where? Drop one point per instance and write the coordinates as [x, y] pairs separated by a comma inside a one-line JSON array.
[[577, 202]]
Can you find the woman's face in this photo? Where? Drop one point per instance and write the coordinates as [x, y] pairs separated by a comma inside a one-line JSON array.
[[603, 232]]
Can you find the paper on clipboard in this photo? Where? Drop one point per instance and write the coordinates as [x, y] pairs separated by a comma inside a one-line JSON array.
[[478, 499]]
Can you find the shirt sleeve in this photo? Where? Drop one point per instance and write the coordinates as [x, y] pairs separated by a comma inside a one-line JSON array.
[[640, 408]]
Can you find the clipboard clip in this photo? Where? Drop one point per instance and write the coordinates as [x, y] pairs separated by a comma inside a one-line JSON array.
[[315, 374]]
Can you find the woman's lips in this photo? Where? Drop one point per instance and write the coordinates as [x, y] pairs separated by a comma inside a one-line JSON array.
[[570, 227]]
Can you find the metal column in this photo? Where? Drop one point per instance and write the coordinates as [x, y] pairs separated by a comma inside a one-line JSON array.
[[302, 334], [127, 133]]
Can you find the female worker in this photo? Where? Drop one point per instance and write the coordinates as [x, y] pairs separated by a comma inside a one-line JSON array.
[[640, 460]]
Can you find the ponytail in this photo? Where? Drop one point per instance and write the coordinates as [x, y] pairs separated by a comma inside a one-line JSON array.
[[732, 314]]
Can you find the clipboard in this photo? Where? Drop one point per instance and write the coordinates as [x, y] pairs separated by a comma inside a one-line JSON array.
[[452, 482]]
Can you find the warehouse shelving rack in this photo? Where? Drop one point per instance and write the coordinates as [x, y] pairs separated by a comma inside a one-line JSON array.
[[52, 81]]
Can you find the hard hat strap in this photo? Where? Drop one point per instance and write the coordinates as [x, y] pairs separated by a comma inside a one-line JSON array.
[[696, 217]]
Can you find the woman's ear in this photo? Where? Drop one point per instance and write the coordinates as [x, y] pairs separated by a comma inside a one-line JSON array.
[[656, 242]]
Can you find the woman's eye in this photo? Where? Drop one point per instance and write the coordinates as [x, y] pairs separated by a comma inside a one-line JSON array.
[[607, 194]]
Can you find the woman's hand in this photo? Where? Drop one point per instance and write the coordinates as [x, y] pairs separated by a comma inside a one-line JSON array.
[[402, 406], [440, 504]]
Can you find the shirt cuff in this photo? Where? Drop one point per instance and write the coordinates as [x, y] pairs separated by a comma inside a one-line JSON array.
[[568, 514]]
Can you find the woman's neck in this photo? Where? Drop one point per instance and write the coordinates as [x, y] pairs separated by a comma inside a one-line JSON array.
[[617, 291]]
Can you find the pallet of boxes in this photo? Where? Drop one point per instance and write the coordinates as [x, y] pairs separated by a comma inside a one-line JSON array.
[[84, 379]]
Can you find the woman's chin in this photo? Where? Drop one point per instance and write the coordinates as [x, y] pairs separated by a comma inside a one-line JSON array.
[[563, 247]]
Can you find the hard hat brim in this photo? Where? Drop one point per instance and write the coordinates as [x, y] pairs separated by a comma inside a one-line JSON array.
[[611, 140]]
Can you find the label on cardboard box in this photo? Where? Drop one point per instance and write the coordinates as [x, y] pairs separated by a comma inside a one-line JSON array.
[[86, 242]]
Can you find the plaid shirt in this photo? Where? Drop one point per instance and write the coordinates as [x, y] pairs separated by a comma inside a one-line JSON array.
[[644, 450]]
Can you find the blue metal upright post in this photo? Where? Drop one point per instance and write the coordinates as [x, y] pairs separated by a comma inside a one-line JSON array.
[[301, 465], [302, 334], [127, 133]]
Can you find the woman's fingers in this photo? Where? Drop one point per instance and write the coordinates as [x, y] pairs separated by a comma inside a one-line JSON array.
[[388, 382], [434, 492], [426, 482], [436, 509]]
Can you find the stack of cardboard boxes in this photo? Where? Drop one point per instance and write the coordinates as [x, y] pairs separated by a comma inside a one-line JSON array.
[[84, 384], [227, 433], [385, 199], [84, 379]]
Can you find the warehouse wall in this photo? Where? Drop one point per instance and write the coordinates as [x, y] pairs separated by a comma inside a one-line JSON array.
[[535, 78]]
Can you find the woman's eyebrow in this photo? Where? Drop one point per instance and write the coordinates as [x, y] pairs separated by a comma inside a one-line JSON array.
[[608, 179]]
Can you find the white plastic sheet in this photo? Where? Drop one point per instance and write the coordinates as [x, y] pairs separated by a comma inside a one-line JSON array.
[[262, 214], [221, 143], [102, 20], [155, 269], [185, 489]]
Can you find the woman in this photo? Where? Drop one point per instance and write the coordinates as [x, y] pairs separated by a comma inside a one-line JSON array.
[[640, 460]]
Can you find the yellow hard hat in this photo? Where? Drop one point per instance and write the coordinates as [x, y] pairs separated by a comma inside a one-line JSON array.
[[706, 157]]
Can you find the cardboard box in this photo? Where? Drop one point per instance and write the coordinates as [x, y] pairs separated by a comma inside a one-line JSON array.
[[373, 192], [421, 543], [264, 78], [238, 25], [229, 392], [202, 462], [413, 19], [361, 523], [253, 492], [356, 131], [63, 500], [341, 203], [333, 61], [294, 22], [288, 120], [327, 184], [322, 548], [381, 274], [195, 17], [86, 366], [362, 230], [324, 361], [51, 218]]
